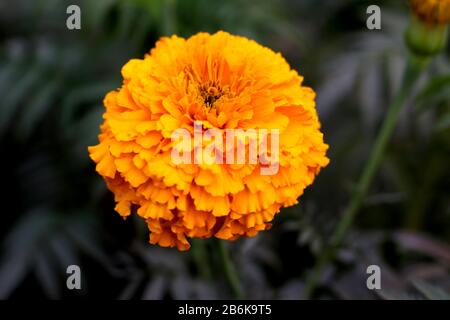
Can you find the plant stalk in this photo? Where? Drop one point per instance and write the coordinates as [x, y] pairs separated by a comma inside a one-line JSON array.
[[200, 257], [413, 70], [230, 270]]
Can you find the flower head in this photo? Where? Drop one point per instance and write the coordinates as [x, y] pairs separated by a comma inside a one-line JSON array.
[[427, 32], [432, 11], [221, 82]]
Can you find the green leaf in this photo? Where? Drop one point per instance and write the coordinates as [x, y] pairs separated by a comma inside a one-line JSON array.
[[126, 20], [64, 251], [20, 244], [46, 273], [437, 91], [13, 89], [154, 8], [36, 110], [393, 295], [87, 128], [443, 123], [96, 11], [12, 271], [92, 92], [430, 291]]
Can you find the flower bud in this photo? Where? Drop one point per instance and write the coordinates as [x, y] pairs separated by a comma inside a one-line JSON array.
[[425, 39], [432, 12]]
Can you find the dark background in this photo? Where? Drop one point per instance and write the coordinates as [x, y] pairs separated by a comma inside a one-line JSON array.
[[56, 211]]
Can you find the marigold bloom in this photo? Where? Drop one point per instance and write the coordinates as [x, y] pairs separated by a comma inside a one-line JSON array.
[[432, 11], [226, 82]]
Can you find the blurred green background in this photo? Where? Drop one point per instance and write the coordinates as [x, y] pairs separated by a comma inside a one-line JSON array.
[[56, 211]]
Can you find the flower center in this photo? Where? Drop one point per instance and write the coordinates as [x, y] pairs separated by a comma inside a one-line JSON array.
[[210, 94]]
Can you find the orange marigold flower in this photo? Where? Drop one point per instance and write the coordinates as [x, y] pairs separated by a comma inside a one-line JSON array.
[[432, 11], [223, 82]]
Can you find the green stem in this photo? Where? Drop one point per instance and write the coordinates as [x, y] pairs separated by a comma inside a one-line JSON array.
[[169, 25], [414, 68], [201, 258], [430, 175], [230, 271]]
